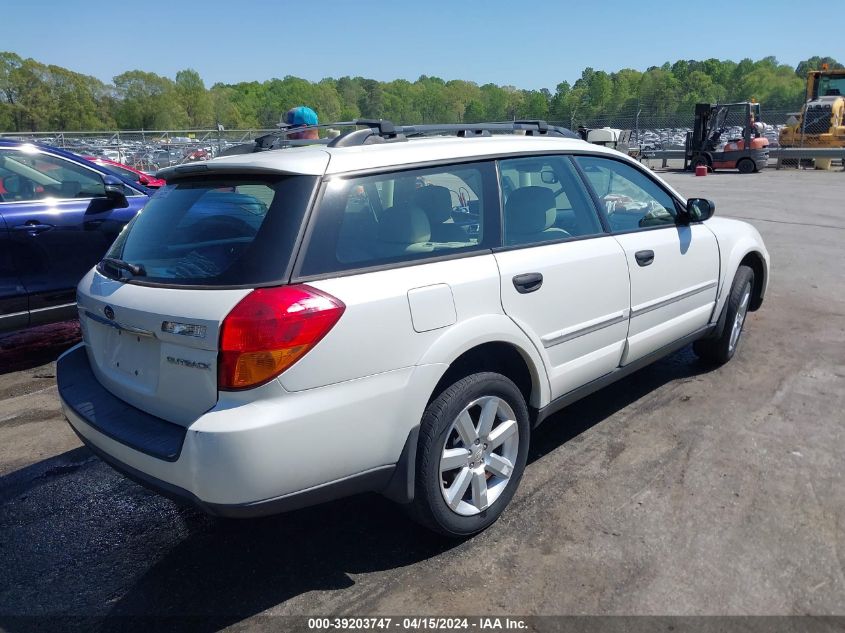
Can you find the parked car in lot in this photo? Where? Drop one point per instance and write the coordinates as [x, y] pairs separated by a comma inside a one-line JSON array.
[[58, 216], [282, 328], [134, 175]]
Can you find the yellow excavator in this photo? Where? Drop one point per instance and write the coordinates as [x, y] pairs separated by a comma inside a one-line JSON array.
[[821, 122]]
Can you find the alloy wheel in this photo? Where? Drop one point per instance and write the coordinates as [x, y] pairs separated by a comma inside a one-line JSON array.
[[478, 455], [739, 318]]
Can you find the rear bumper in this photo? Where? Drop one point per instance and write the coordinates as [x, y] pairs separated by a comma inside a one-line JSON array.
[[86, 399], [376, 480], [244, 458]]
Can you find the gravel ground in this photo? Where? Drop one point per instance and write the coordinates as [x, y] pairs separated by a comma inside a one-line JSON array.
[[680, 490]]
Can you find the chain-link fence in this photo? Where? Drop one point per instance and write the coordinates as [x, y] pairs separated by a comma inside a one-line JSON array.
[[784, 129], [652, 131], [150, 150], [142, 149]]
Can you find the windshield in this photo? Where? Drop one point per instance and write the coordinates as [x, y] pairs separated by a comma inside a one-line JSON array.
[[831, 86], [232, 231]]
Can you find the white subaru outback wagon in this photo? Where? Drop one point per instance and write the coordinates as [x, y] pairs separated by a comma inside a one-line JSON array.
[[393, 312]]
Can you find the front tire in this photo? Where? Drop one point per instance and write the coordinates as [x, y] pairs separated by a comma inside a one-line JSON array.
[[721, 349], [471, 454], [700, 161], [746, 166]]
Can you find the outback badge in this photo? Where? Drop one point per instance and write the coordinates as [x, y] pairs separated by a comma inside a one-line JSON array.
[[184, 362]]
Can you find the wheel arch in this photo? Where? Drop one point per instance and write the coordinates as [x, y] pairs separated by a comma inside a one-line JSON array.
[[497, 356], [491, 343], [755, 261], [739, 244]]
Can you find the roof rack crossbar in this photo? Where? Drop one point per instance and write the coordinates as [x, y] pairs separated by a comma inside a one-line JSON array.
[[385, 128]]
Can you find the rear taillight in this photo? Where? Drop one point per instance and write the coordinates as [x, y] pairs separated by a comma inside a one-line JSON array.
[[269, 330]]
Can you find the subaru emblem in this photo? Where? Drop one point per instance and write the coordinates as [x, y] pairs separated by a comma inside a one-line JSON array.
[[108, 312]]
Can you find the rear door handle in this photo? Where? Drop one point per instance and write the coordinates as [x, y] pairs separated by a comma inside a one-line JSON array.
[[527, 282], [644, 258]]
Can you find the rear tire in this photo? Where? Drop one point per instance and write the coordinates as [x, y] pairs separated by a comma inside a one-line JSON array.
[[721, 349], [746, 166], [471, 454]]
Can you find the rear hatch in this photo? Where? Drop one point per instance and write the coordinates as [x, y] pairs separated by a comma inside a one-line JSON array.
[[152, 309]]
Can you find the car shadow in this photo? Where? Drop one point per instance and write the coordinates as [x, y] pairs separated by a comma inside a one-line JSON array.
[[79, 539], [85, 549], [26, 349], [584, 414]]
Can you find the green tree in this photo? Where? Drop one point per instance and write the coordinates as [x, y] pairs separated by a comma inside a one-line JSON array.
[[659, 93], [699, 87], [495, 102], [557, 107], [148, 101], [474, 112], [34, 104], [536, 105], [76, 101], [38, 97], [194, 99], [11, 114], [815, 63]]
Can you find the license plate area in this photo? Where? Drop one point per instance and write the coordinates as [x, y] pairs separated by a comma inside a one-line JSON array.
[[128, 358]]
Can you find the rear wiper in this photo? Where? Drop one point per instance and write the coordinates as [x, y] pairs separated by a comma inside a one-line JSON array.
[[137, 270]]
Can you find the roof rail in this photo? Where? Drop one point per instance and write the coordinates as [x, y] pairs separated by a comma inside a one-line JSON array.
[[382, 130]]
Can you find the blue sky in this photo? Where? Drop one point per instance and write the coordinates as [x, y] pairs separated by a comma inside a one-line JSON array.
[[526, 44]]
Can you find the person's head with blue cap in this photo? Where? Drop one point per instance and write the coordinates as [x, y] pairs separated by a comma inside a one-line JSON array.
[[301, 116]]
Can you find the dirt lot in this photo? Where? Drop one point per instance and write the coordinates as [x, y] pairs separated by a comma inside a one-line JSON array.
[[679, 490]]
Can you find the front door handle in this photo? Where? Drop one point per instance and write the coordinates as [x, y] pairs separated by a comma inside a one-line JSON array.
[[644, 258], [32, 227], [527, 282]]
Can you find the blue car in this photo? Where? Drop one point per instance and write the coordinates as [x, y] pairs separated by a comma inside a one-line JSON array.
[[59, 214]]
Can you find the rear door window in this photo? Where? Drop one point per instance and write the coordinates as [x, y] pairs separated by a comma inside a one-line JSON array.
[[402, 216], [224, 231]]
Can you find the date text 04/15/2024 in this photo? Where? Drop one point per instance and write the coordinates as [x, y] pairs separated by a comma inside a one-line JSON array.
[[417, 623]]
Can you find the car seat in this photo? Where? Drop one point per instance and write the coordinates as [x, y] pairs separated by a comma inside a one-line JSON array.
[[530, 214], [404, 230], [436, 202]]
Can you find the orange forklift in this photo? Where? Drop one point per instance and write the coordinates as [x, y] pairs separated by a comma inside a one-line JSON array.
[[727, 136]]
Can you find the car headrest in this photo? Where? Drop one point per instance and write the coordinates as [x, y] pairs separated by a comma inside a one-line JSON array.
[[530, 210], [403, 190], [404, 225], [436, 201]]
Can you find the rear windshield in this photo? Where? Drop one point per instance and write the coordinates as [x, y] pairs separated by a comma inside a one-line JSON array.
[[231, 231]]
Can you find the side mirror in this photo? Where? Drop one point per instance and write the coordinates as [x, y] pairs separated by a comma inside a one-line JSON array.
[[700, 209], [115, 191]]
